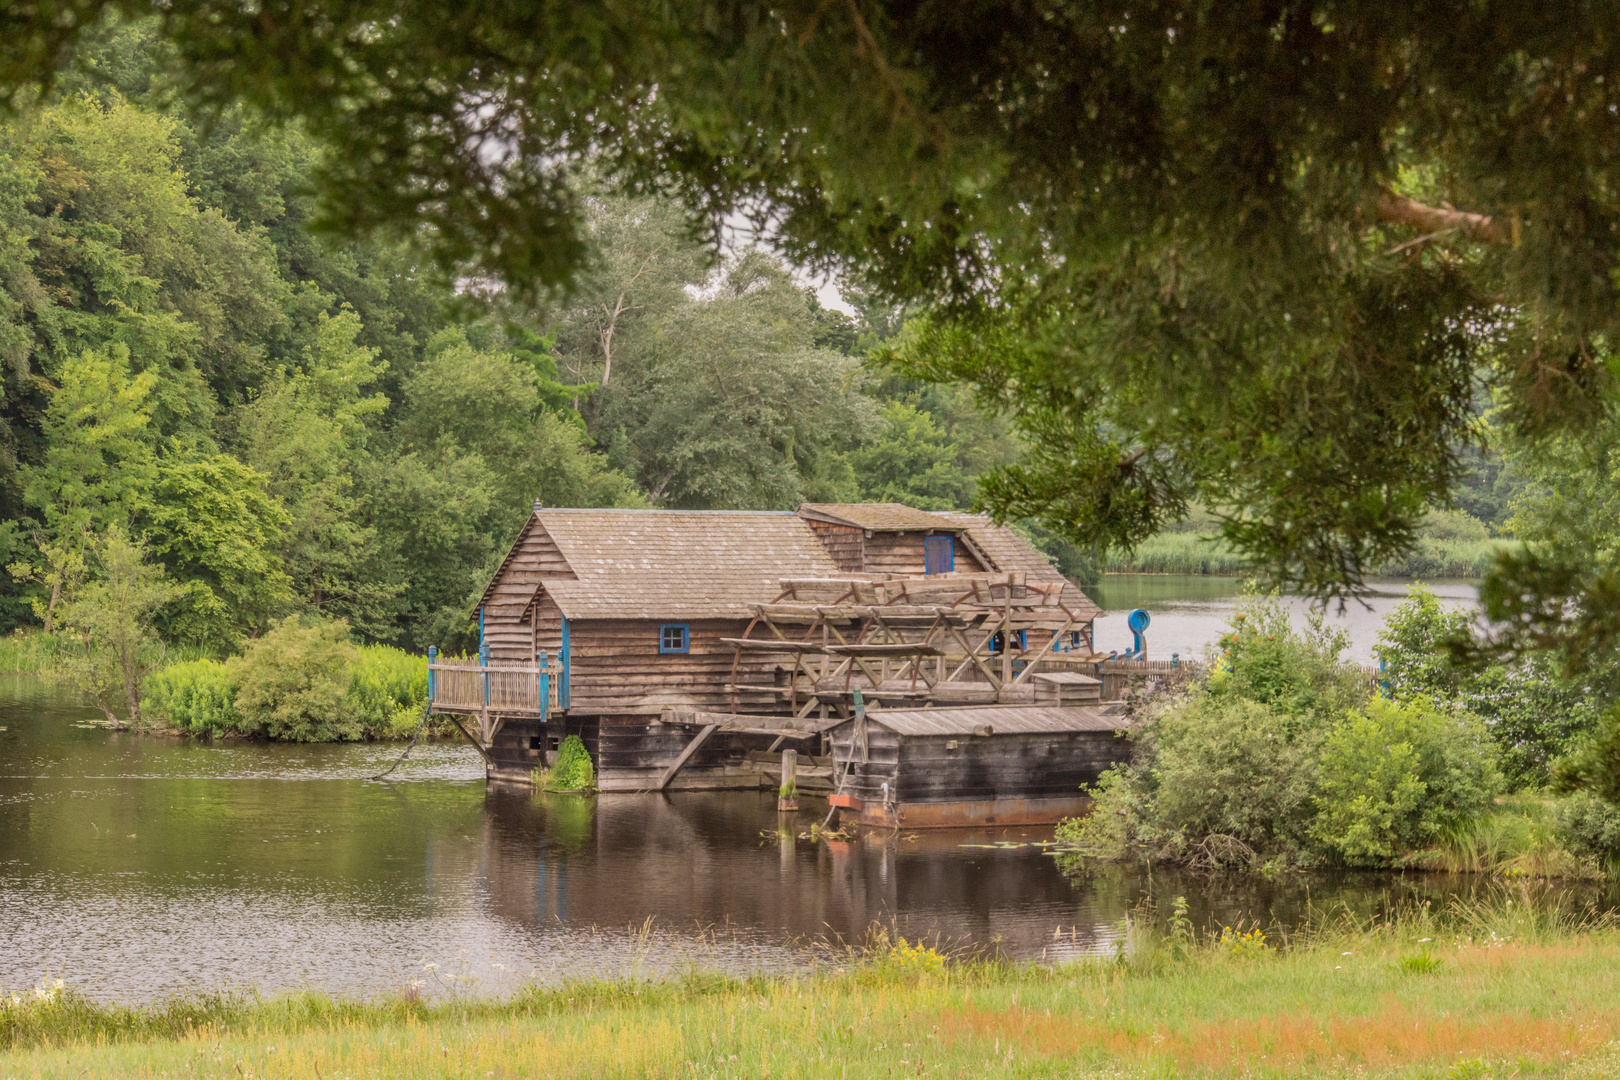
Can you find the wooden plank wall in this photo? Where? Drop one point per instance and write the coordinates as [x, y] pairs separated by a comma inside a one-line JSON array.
[[515, 626], [902, 553], [635, 751], [509, 637], [865, 779], [894, 553], [617, 668], [845, 543], [966, 563], [524, 743], [1040, 765]]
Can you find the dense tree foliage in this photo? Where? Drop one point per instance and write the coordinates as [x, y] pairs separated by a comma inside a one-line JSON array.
[[289, 427], [1253, 256]]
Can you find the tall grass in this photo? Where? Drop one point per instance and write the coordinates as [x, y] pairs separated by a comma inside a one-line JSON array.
[[1199, 553], [1525, 836], [1178, 553], [28, 652], [1498, 988]]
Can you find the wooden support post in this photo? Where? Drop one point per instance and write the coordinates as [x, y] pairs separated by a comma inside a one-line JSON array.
[[860, 723], [787, 796], [1050, 648], [686, 755], [1006, 638]]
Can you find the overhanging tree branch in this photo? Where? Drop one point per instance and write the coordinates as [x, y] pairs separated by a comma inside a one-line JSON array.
[[1399, 210]]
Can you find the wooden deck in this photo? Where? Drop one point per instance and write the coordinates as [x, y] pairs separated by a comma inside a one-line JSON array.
[[492, 692]]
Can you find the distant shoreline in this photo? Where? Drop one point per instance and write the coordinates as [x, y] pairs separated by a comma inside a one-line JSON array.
[[1202, 554]]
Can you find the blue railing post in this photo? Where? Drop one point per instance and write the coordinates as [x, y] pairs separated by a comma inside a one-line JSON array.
[[566, 658], [433, 658], [483, 663], [541, 662]]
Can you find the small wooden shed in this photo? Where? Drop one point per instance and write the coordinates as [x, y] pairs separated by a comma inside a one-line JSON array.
[[942, 768]]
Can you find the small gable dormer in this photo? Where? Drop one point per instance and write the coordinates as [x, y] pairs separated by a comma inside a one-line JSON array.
[[892, 538]]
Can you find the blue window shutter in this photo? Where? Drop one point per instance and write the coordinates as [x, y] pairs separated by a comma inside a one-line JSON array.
[[939, 554]]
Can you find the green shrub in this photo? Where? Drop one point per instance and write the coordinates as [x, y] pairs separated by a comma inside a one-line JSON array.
[[1453, 525], [1235, 770], [1533, 711], [1225, 773], [1412, 644], [570, 770], [1396, 775], [387, 690], [1300, 674], [292, 683], [1589, 827], [303, 681], [197, 697]]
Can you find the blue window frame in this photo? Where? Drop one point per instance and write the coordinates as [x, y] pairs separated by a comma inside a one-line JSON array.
[[998, 641], [939, 554], [1077, 639], [674, 638]]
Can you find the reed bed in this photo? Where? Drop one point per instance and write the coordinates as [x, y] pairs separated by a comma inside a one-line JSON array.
[[27, 652], [1508, 986], [1198, 553]]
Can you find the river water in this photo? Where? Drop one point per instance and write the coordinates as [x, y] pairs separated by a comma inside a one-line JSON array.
[[1189, 612], [136, 866]]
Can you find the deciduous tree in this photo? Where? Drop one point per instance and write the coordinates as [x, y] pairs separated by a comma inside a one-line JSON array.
[[109, 625]]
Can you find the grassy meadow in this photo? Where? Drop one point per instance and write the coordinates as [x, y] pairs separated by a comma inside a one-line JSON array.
[[1506, 989]]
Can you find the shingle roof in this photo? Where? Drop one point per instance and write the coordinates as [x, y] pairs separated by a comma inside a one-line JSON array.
[[880, 517], [1003, 720], [1009, 551], [677, 564], [698, 564]]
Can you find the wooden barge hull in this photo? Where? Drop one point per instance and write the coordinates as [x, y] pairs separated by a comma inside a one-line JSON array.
[[965, 768]]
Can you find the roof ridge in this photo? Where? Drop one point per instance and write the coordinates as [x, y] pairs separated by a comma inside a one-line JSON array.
[[654, 510]]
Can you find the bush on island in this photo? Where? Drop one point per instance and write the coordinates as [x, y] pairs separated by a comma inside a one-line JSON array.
[[303, 681]]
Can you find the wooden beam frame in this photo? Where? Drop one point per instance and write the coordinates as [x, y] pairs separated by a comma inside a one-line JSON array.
[[686, 755]]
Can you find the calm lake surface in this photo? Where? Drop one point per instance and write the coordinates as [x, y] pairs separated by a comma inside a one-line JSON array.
[[137, 866]]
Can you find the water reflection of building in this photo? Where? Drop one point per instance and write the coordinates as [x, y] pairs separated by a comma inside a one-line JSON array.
[[700, 862]]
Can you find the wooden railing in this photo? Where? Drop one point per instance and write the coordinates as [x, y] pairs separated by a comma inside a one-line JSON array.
[[500, 687], [1116, 675]]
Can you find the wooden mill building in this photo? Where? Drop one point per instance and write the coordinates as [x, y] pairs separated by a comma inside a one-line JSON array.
[[683, 646]]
